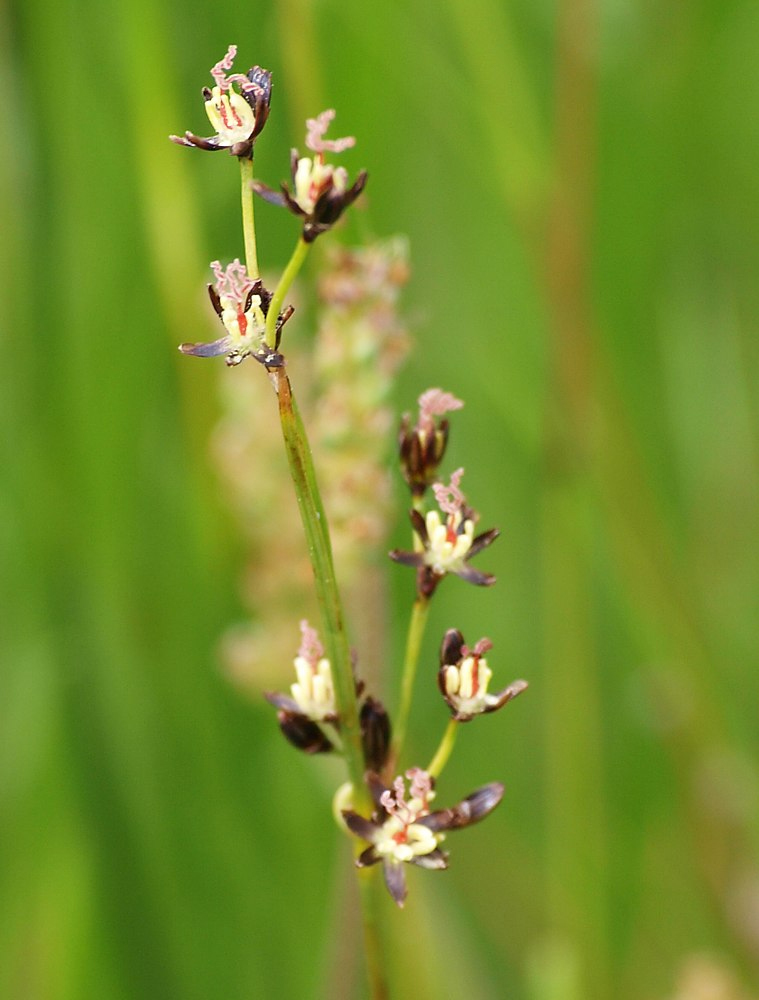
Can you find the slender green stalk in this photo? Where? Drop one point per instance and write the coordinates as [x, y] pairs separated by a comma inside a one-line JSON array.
[[320, 553], [288, 276], [319, 545], [417, 623], [443, 752], [248, 222], [367, 884], [338, 651]]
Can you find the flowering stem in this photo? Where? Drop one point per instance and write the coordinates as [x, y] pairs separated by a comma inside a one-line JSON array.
[[320, 553], [248, 223], [288, 276], [336, 645], [443, 752], [367, 884], [418, 621]]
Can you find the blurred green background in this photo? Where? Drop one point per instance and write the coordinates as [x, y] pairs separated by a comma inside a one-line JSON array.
[[578, 181]]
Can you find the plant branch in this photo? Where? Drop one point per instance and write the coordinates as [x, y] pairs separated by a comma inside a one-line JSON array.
[[248, 220], [288, 276], [443, 752], [320, 553], [417, 623]]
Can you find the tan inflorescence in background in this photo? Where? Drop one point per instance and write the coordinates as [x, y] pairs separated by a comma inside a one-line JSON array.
[[360, 343]]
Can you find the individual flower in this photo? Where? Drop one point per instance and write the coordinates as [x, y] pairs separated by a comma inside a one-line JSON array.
[[422, 446], [447, 540], [237, 117], [311, 702], [320, 192], [464, 676], [241, 304], [403, 830]]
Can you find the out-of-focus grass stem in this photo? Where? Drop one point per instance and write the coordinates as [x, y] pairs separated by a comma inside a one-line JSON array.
[[575, 780]]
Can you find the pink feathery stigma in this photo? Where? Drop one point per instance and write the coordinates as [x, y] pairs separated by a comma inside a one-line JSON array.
[[219, 72], [394, 802], [233, 282], [435, 403], [310, 648], [421, 783], [315, 129], [450, 499]]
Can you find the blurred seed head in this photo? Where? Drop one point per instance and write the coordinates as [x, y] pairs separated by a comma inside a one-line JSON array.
[[360, 343], [706, 977]]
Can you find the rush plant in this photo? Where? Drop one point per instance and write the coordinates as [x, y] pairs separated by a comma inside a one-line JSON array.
[[388, 804]]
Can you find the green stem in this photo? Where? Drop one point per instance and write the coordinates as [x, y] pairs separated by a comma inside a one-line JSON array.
[[288, 276], [320, 553], [443, 752], [248, 221], [336, 644], [419, 614], [367, 884]]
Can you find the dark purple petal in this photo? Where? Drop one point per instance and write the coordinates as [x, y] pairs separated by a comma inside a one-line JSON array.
[[407, 558], [211, 143], [302, 732], [265, 192], [282, 701], [367, 858], [435, 860], [376, 787], [496, 701], [293, 163], [472, 575], [215, 300], [395, 879], [450, 649], [358, 186], [290, 202], [259, 96], [482, 802], [482, 541], [419, 525], [375, 733], [470, 810], [261, 80], [212, 350], [359, 825]]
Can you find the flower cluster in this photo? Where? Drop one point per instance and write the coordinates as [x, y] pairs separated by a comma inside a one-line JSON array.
[[308, 716], [324, 712], [237, 117], [422, 446], [446, 540], [320, 191], [403, 830], [242, 305], [311, 702], [464, 677]]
